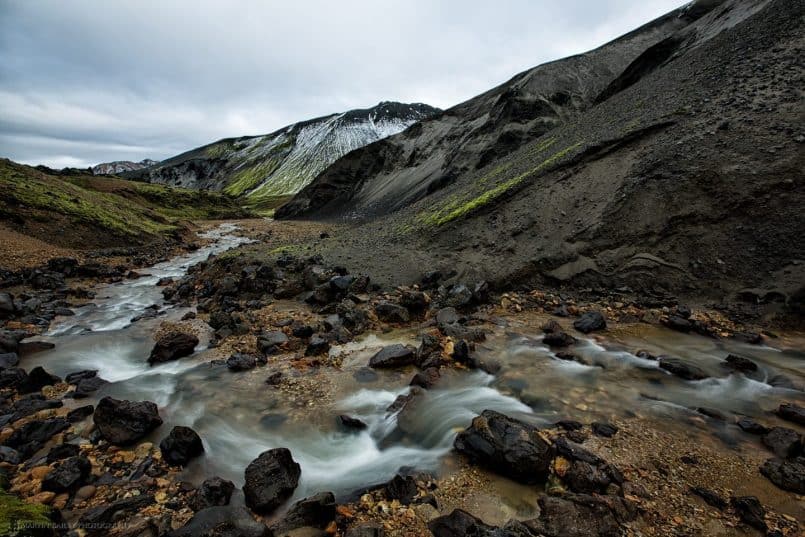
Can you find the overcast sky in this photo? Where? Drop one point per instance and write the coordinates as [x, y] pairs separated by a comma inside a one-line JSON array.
[[83, 82]]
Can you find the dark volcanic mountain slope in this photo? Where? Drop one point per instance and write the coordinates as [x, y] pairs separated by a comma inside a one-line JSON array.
[[391, 174], [685, 177], [281, 163]]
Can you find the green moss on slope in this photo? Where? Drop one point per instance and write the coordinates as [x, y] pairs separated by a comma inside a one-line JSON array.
[[15, 515]]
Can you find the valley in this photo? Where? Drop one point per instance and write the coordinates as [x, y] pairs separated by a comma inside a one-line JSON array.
[[571, 306]]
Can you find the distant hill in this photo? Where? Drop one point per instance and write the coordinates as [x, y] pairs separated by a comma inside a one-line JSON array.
[[121, 166]]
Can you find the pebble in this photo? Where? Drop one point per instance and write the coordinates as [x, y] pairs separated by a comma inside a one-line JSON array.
[[86, 492]]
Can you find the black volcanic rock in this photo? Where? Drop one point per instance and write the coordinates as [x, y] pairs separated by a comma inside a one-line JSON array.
[[270, 480], [181, 445], [125, 422], [172, 346]]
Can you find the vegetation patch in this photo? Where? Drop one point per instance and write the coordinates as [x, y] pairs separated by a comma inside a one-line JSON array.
[[459, 207], [16, 515]]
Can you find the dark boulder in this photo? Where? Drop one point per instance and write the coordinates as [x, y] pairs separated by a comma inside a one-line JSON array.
[[606, 430], [9, 455], [275, 378], [173, 346], [77, 376], [350, 423], [750, 511], [222, 521], [107, 513], [125, 422], [587, 478], [414, 301], [317, 511], [681, 369], [402, 488], [739, 363], [87, 386], [784, 442], [270, 480], [241, 362], [6, 306], [181, 445], [792, 412], [460, 523], [8, 359], [590, 322], [213, 492], [426, 378], [555, 336], [710, 497], [270, 342], [678, 323], [62, 451], [507, 446], [787, 474], [80, 413], [751, 426], [38, 378], [317, 345], [13, 377], [391, 313], [582, 515], [396, 355], [32, 436], [458, 296], [68, 475], [30, 405]]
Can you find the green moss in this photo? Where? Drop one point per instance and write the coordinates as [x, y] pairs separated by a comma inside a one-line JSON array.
[[15, 513], [247, 179], [455, 208]]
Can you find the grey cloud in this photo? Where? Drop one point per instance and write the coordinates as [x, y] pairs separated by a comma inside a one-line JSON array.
[[87, 81]]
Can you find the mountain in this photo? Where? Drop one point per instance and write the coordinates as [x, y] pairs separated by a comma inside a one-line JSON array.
[[121, 166], [283, 162], [666, 161]]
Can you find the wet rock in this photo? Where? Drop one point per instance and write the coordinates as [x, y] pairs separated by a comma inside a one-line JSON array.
[[748, 337], [124, 422], [582, 515], [570, 425], [274, 379], [586, 478], [32, 436], [317, 345], [38, 378], [460, 523], [13, 377], [62, 451], [8, 359], [74, 378], [446, 317], [213, 492], [317, 511], [302, 331], [270, 480], [461, 353], [606, 430], [680, 324], [30, 404], [590, 322], [397, 355], [80, 413], [784, 442], [241, 362], [787, 474], [575, 452], [68, 475], [223, 521], [427, 378], [712, 413], [269, 342], [391, 313], [782, 381], [414, 301], [350, 423], [9, 455], [341, 284], [104, 515], [181, 445], [681, 369], [710, 497], [88, 386], [555, 336], [792, 412], [402, 488], [507, 446], [750, 511], [7, 308], [365, 374], [751, 426], [173, 346], [458, 296], [739, 363]]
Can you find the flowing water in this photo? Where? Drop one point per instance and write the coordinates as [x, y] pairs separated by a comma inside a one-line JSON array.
[[238, 416]]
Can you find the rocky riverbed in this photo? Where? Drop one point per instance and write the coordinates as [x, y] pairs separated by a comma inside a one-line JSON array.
[[231, 396]]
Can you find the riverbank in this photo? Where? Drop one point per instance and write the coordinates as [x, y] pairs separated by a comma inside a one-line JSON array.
[[282, 352]]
